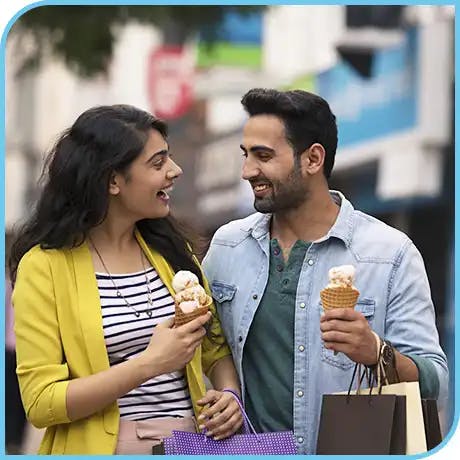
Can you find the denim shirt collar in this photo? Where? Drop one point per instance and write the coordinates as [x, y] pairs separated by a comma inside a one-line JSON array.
[[342, 228]]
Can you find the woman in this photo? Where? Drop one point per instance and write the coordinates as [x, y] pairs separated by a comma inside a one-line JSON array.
[[100, 364]]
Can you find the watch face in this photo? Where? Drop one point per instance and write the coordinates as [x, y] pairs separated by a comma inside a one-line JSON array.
[[387, 354]]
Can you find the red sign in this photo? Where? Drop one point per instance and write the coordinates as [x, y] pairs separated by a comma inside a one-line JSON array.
[[170, 73]]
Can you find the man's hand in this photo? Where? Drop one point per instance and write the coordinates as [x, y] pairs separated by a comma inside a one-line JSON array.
[[346, 330], [223, 418]]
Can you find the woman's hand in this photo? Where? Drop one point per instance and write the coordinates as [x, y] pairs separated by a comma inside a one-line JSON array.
[[223, 417], [171, 348]]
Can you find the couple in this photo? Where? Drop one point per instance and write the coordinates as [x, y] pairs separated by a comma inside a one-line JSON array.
[[99, 362]]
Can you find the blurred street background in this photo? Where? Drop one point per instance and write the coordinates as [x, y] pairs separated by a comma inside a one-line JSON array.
[[387, 72]]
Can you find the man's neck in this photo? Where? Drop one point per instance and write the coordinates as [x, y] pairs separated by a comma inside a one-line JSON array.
[[310, 222]]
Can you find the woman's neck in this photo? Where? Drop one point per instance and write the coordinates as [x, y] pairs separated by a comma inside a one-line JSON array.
[[113, 234]]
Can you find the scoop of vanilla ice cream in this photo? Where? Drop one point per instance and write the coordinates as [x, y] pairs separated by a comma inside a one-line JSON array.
[[341, 276], [184, 279], [196, 293], [189, 306]]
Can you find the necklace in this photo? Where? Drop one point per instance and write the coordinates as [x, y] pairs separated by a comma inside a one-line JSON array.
[[137, 313]]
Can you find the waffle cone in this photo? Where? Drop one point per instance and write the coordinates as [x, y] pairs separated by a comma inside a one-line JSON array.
[[181, 318], [339, 297]]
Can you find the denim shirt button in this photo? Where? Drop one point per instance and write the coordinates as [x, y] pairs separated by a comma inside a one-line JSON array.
[[255, 296], [300, 393], [240, 338], [310, 262], [301, 348], [302, 305], [300, 440]]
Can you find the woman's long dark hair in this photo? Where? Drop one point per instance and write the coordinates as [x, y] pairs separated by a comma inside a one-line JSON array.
[[76, 176]]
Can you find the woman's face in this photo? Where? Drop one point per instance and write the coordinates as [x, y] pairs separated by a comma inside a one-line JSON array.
[[143, 191]]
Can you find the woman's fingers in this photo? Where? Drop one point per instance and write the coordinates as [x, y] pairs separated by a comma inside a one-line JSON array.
[[230, 427]]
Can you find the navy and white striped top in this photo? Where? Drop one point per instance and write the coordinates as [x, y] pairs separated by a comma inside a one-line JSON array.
[[127, 335]]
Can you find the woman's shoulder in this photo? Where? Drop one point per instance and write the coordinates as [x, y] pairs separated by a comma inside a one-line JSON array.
[[38, 256]]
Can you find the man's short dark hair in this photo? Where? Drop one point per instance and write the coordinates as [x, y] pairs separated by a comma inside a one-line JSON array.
[[307, 119]]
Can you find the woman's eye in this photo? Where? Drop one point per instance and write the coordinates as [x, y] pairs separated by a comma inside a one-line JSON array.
[[159, 163]]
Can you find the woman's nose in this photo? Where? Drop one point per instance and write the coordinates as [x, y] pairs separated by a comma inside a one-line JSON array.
[[174, 170]]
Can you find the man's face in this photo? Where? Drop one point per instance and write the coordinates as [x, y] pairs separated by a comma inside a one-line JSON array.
[[269, 165]]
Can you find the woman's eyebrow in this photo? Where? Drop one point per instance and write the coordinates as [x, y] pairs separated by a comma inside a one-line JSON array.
[[161, 152]]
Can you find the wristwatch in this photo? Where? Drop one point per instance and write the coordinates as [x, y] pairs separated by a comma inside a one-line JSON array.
[[388, 360], [387, 353]]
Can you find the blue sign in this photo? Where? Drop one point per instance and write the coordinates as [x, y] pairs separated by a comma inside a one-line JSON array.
[[238, 28], [384, 104]]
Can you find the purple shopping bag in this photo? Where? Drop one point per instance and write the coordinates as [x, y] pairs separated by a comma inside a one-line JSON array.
[[248, 443]]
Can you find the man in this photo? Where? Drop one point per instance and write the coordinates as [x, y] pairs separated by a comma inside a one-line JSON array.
[[267, 271]]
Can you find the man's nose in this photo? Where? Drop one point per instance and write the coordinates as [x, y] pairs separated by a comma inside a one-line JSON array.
[[249, 169]]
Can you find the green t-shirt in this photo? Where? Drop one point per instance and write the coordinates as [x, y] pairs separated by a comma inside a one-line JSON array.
[[268, 360]]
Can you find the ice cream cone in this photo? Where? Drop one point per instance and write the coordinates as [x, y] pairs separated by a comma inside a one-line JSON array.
[[181, 318], [339, 297]]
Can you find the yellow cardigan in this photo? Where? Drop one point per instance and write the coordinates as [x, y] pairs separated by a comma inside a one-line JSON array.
[[59, 337]]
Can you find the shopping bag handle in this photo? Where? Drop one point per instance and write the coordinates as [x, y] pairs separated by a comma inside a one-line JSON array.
[[361, 374], [247, 425]]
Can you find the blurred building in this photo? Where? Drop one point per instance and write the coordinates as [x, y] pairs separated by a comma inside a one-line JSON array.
[[387, 74]]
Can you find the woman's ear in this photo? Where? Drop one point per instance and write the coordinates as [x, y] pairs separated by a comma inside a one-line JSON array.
[[114, 188], [313, 159]]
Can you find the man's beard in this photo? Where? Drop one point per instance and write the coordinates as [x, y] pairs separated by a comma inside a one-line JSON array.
[[285, 196]]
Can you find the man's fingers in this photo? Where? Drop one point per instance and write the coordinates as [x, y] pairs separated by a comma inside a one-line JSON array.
[[337, 336], [346, 314], [336, 325], [338, 347]]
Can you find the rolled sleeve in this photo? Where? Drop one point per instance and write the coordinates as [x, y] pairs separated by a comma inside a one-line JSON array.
[[428, 377]]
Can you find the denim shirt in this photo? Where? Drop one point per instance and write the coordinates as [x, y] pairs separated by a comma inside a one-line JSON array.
[[394, 297]]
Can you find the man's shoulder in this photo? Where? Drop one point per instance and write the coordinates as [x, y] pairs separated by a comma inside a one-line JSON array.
[[377, 236], [235, 231], [366, 223]]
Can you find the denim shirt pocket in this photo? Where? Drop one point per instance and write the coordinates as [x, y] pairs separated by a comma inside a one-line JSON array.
[[223, 295], [340, 360]]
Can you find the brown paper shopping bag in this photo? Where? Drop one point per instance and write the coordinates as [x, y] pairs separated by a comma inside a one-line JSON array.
[[415, 429], [362, 425]]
